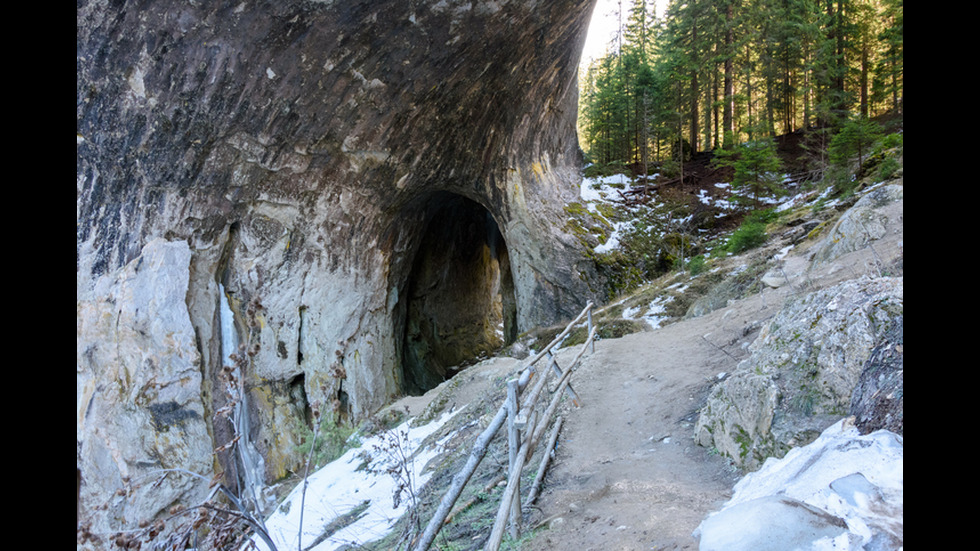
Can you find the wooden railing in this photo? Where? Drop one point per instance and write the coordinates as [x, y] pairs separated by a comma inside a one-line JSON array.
[[519, 450]]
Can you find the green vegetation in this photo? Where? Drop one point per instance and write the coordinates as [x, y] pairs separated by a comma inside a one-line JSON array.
[[752, 232], [696, 265], [332, 441], [710, 75]]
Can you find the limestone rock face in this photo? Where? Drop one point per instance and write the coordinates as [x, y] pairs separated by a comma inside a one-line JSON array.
[[296, 155], [804, 368], [140, 405]]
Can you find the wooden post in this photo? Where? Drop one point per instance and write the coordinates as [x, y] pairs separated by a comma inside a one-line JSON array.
[[510, 496], [513, 449], [558, 372], [543, 466], [590, 327], [537, 431]]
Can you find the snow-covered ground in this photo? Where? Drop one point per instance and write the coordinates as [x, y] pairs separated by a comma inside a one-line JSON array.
[[347, 487], [606, 190]]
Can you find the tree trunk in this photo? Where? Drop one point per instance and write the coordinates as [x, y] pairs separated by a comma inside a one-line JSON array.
[[729, 119]]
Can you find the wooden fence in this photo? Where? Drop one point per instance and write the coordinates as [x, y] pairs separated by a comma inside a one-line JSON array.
[[520, 416]]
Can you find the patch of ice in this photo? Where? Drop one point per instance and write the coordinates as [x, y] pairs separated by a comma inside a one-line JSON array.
[[852, 484]]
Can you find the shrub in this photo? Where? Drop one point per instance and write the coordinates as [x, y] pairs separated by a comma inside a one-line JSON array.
[[747, 236], [888, 168], [892, 140], [752, 232], [696, 265]]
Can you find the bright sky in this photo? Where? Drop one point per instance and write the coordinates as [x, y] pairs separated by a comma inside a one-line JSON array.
[[604, 24]]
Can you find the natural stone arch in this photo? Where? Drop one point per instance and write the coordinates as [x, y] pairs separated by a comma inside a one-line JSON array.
[[292, 146]]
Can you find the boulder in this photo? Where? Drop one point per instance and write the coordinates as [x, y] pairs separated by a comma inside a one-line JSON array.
[[803, 370], [877, 212]]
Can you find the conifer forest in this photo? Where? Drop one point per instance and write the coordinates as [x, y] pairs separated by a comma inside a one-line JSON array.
[[711, 75]]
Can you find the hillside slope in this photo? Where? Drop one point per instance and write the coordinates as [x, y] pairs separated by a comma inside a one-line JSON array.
[[628, 473]]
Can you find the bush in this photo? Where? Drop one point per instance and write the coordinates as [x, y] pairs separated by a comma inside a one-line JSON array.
[[696, 265], [747, 236], [892, 140], [888, 168], [752, 232]]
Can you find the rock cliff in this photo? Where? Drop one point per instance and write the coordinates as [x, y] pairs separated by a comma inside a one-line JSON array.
[[324, 170]]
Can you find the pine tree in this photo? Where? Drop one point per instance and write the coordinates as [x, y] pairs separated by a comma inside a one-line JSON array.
[[713, 73]]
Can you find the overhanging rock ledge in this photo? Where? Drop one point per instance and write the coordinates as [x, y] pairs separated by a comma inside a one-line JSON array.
[[290, 158]]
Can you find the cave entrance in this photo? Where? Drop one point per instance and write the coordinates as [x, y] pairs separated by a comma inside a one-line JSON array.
[[459, 300]]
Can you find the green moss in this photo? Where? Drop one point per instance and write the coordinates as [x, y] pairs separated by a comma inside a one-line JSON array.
[[620, 272], [575, 209], [609, 212], [744, 443]]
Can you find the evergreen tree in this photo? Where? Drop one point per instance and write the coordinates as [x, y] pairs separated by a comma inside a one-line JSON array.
[[756, 167], [716, 72]]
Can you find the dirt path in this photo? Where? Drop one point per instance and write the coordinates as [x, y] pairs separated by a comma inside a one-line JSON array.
[[627, 474]]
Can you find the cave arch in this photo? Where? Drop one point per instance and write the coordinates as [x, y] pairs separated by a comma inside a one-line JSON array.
[[458, 299]]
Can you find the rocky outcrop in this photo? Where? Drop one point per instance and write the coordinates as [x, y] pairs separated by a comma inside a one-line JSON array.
[[875, 213], [804, 367], [289, 159], [878, 400], [828, 352]]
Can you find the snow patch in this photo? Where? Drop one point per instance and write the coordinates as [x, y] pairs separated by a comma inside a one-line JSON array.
[[345, 485], [843, 491]]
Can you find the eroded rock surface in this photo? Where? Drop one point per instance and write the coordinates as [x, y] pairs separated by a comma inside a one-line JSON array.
[[295, 154], [804, 367]]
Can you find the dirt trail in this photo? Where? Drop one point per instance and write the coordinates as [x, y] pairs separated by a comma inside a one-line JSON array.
[[628, 475]]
